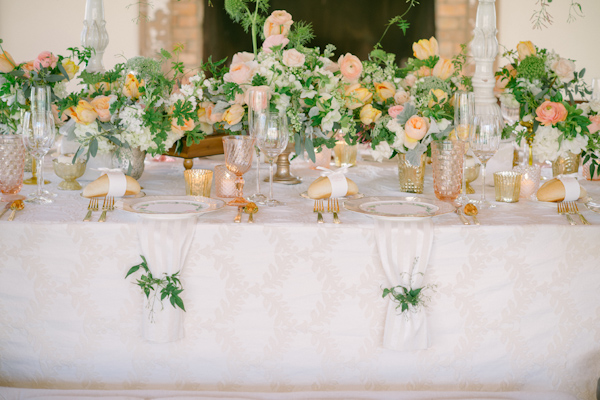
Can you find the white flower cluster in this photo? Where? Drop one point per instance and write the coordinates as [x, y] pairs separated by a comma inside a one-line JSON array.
[[85, 133], [546, 146], [134, 132]]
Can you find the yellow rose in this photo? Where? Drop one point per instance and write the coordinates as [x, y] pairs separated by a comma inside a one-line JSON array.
[[234, 114], [368, 114], [526, 49], [443, 69], [7, 63], [101, 105], [131, 88], [357, 96], [384, 90], [84, 113], [423, 49], [438, 94], [70, 67]]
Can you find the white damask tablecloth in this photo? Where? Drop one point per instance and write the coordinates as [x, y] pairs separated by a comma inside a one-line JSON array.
[[289, 305]]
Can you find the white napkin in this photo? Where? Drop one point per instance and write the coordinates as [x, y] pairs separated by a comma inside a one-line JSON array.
[[399, 243], [165, 245], [337, 179]]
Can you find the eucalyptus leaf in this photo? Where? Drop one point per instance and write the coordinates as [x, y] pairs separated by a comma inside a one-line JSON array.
[[413, 156], [93, 148]]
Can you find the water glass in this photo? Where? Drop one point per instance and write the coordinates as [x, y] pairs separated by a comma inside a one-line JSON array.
[[484, 140], [272, 138], [198, 182], [258, 106], [464, 114], [38, 138], [447, 157], [12, 163]]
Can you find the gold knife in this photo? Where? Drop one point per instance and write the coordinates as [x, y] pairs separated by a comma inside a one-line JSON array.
[[6, 208]]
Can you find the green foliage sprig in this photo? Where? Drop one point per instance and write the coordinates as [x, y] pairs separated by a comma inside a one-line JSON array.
[[407, 297], [399, 21], [239, 11], [169, 286], [541, 17]]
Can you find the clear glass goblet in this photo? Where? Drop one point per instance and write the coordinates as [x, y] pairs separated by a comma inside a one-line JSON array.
[[258, 106], [484, 141], [38, 137], [272, 138], [464, 114], [238, 159]]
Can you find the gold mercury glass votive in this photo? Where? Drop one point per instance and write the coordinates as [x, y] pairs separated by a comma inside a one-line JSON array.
[[65, 169], [508, 186], [198, 182]]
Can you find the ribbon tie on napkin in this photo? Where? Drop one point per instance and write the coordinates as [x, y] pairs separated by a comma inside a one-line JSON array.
[[165, 245], [404, 249], [337, 178]]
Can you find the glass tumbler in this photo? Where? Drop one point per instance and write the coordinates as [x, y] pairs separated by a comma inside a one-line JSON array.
[[447, 158], [12, 163]]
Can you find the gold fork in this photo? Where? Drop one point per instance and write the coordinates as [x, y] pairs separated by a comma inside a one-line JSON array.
[[562, 210], [93, 206], [107, 205], [575, 210], [333, 206], [318, 208]]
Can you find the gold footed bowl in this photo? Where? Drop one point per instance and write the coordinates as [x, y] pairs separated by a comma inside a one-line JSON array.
[[69, 172]]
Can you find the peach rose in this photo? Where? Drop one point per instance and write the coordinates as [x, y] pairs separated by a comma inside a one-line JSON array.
[[350, 67], [101, 105], [564, 69], [357, 96], [423, 49], [401, 96], [70, 67], [131, 88], [415, 129], [57, 119], [595, 125], [234, 114], [443, 69], [207, 115], [440, 95], [239, 73], [7, 63], [384, 90], [28, 67], [423, 72], [242, 57], [293, 58], [278, 23], [526, 49], [549, 113], [394, 111], [274, 40], [410, 80], [369, 114], [45, 60], [84, 113], [188, 125]]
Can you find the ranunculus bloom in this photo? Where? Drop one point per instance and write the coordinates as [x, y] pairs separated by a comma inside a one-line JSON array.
[[549, 113], [131, 88], [395, 111], [384, 90], [70, 67], [443, 69], [526, 49], [7, 63], [242, 57], [84, 113], [28, 67], [595, 125], [45, 60], [278, 23], [187, 126], [369, 114], [423, 49], [401, 96], [206, 114], [410, 80], [240, 73], [438, 94], [350, 67], [234, 114], [357, 96], [415, 129], [274, 40], [293, 58], [101, 105], [564, 69]]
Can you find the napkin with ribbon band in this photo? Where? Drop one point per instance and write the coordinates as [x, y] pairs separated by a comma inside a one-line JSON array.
[[572, 188], [165, 245], [404, 249], [117, 182], [337, 178]]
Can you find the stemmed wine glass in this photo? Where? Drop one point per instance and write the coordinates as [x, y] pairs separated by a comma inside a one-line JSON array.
[[484, 140], [38, 138], [258, 107], [238, 159], [272, 138], [464, 114]]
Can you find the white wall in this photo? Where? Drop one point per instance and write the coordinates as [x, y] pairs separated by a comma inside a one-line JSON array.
[[579, 40], [29, 27]]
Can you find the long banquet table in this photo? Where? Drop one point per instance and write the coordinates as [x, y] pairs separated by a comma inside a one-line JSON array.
[[286, 304]]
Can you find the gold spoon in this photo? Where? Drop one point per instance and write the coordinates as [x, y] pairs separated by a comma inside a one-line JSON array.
[[17, 205], [471, 211], [251, 209]]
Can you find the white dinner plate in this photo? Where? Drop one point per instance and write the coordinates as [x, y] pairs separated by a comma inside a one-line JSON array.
[[131, 196], [171, 207], [398, 208], [351, 197]]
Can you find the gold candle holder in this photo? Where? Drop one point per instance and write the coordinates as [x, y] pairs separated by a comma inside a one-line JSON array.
[[198, 182], [508, 186], [69, 172]]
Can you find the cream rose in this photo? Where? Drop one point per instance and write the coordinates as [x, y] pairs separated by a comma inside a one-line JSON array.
[[293, 58], [526, 49], [369, 114], [274, 40], [101, 105], [350, 67], [278, 23], [443, 69], [242, 57], [7, 63], [234, 114], [410, 80], [401, 97], [239, 73], [415, 129], [357, 96], [423, 49], [384, 90], [564, 69]]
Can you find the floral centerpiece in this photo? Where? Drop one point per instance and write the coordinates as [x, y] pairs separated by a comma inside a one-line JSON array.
[[591, 154], [544, 85]]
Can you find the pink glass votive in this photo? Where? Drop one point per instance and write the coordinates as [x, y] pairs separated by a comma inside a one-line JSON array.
[[224, 182]]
